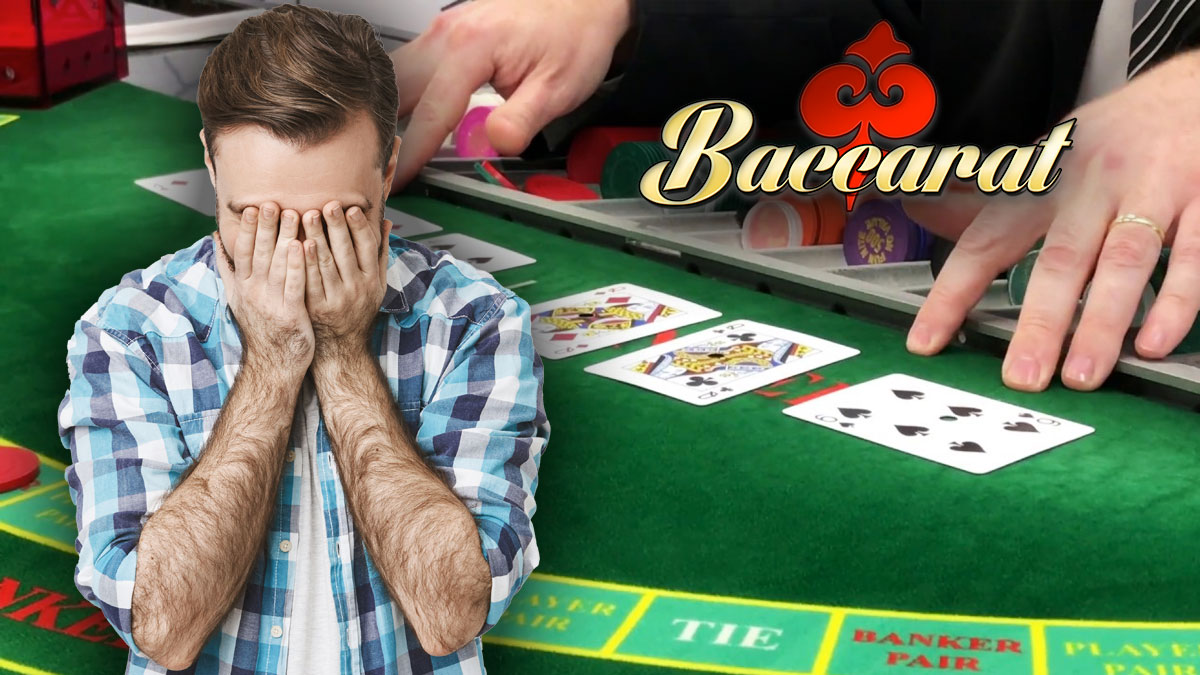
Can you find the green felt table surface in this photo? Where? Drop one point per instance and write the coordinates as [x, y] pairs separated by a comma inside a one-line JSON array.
[[733, 499]]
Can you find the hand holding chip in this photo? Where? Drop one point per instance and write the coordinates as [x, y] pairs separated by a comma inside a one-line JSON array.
[[346, 275], [545, 58]]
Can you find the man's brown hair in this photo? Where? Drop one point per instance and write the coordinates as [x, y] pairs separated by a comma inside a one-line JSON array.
[[300, 72]]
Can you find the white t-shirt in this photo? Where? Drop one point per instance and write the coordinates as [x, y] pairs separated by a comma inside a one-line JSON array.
[[1108, 57], [314, 643]]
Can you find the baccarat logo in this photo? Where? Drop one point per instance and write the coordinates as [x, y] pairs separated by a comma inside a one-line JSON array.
[[865, 108]]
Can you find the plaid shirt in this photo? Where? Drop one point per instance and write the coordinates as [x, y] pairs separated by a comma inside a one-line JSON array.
[[150, 366]]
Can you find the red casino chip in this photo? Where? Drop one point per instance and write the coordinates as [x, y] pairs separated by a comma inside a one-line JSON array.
[[591, 147], [18, 467], [831, 212], [558, 188]]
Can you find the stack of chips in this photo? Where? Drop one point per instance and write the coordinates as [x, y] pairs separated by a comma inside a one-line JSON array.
[[1020, 273], [591, 147], [879, 231], [790, 221], [625, 166]]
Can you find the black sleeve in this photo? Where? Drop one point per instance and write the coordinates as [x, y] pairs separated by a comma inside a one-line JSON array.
[[1005, 70]]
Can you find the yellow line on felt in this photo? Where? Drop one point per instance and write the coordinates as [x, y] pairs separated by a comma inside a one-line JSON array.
[[825, 652], [644, 660], [627, 625], [541, 646], [36, 538], [1037, 644], [15, 667], [700, 665], [858, 611], [31, 493], [54, 463]]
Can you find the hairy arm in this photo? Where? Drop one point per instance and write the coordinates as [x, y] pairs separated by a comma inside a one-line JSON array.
[[422, 538], [197, 550], [444, 508]]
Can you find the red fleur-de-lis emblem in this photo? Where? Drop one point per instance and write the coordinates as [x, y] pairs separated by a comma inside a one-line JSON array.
[[896, 102]]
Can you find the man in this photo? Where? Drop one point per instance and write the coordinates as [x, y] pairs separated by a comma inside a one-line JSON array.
[[300, 445], [1006, 70]]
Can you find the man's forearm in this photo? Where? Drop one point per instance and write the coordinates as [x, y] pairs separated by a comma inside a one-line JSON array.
[[422, 538], [195, 553]]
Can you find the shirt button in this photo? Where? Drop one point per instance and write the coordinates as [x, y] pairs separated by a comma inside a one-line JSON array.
[[285, 546], [276, 632], [291, 456]]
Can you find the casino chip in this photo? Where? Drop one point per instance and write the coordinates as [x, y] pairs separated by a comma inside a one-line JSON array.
[[831, 213], [591, 147], [878, 231], [1018, 277], [18, 467], [470, 138], [770, 224], [558, 188], [489, 173], [623, 170]]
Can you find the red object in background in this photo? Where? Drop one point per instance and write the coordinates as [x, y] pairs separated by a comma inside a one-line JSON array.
[[558, 188], [18, 467], [47, 46], [591, 146]]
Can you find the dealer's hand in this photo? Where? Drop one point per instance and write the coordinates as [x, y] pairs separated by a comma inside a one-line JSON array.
[[346, 273], [545, 58], [266, 290], [1136, 151]]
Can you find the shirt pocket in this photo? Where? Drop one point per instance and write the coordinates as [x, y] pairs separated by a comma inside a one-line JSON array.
[[410, 411], [197, 427]]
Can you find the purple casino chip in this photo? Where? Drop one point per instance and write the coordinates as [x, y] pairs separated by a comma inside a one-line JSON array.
[[880, 232]]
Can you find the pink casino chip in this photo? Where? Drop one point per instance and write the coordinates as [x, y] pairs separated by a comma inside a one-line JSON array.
[[470, 138]]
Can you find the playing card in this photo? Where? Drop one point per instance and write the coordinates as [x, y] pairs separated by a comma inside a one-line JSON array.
[[939, 423], [194, 190], [407, 225], [722, 362], [608, 316], [480, 254], [191, 188]]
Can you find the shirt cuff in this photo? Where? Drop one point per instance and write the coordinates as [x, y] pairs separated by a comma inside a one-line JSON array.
[[509, 564]]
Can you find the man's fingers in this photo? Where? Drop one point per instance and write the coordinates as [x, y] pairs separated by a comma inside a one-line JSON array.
[[997, 237], [1062, 268], [1126, 261], [289, 228], [243, 245], [366, 241], [340, 241], [440, 109], [293, 286], [264, 239], [314, 289], [1178, 300], [512, 125], [313, 232]]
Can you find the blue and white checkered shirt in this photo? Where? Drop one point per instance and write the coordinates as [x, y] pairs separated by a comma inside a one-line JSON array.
[[150, 366]]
